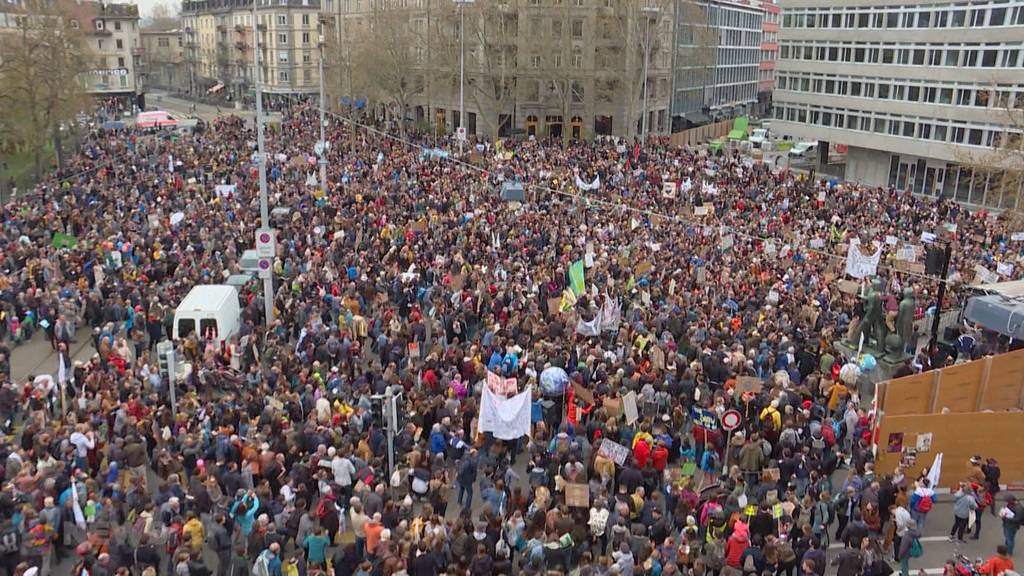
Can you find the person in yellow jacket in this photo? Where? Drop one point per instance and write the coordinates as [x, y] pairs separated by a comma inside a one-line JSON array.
[[770, 416], [193, 529]]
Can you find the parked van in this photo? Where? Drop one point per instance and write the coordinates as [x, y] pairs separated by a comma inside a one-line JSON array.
[[211, 311]]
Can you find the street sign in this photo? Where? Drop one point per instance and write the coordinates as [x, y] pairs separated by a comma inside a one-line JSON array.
[[266, 243], [460, 133], [264, 266], [731, 420]]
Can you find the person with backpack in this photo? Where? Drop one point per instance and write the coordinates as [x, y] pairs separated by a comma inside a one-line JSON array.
[[822, 517], [10, 547], [910, 547], [268, 563], [1012, 515], [921, 501], [964, 503]]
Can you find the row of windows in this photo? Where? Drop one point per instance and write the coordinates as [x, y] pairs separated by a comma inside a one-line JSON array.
[[981, 96], [966, 55], [738, 56], [734, 94], [958, 16], [719, 16], [933, 129]]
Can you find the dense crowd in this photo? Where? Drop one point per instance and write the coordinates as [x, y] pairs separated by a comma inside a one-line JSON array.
[[408, 271]]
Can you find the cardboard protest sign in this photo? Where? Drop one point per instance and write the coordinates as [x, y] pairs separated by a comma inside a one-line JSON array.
[[849, 287], [583, 393], [643, 268], [746, 384], [613, 407], [613, 451], [629, 407], [458, 281], [577, 495], [419, 226]]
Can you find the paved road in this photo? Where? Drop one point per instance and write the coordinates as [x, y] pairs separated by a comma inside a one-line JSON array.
[[207, 112]]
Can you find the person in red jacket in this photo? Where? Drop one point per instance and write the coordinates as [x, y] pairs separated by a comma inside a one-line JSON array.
[[737, 545], [659, 458], [641, 452]]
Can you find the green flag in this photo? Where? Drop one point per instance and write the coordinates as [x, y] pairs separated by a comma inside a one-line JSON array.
[[61, 240], [576, 278]]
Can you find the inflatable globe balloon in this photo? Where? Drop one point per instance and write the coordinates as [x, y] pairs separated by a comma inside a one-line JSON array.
[[849, 373], [553, 381], [868, 362]]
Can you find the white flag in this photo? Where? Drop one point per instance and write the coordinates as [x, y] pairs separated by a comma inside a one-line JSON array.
[[79, 516], [860, 265], [506, 419]]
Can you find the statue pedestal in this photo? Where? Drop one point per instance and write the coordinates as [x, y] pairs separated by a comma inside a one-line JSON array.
[[884, 370]]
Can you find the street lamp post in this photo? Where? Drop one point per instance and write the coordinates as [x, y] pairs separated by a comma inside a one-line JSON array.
[[261, 155], [462, 69], [323, 123], [648, 12]]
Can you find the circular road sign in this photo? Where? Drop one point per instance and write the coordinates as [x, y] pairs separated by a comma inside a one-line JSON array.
[[731, 420]]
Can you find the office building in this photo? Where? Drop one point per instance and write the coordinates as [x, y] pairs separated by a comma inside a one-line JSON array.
[[218, 41], [913, 90], [769, 54], [718, 60], [573, 68]]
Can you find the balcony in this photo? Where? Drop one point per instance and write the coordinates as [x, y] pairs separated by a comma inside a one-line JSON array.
[[241, 45], [239, 28], [138, 51]]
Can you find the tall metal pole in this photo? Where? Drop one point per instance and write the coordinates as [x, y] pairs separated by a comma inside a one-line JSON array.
[[946, 255], [462, 71], [268, 281], [323, 123]]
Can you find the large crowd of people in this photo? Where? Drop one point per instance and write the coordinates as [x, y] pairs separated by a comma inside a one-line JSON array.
[[409, 271]]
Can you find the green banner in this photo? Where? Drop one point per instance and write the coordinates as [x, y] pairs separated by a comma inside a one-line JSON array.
[[576, 281]]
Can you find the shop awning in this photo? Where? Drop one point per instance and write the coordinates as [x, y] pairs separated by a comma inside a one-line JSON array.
[[217, 88]]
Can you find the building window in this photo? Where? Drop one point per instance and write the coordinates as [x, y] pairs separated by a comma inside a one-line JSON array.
[[282, 76], [120, 62], [306, 58], [282, 38], [282, 20], [282, 57], [119, 43], [577, 61], [305, 19], [577, 28], [535, 61], [305, 37]]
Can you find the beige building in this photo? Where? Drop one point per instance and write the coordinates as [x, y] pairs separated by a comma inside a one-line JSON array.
[[550, 68], [163, 59], [218, 41], [111, 35]]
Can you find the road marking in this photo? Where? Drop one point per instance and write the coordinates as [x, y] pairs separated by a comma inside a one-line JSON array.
[[922, 539]]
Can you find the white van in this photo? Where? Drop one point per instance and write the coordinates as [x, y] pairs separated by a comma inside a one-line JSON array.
[[210, 310]]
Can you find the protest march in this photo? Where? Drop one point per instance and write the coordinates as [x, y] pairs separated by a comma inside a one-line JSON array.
[[565, 362]]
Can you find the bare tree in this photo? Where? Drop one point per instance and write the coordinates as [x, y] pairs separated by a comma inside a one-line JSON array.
[[387, 57], [1002, 165], [491, 58], [637, 22], [165, 16], [40, 88]]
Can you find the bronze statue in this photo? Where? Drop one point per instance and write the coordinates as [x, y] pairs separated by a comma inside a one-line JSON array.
[[872, 326], [905, 319]]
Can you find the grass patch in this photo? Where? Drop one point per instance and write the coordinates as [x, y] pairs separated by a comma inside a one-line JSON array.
[[20, 166]]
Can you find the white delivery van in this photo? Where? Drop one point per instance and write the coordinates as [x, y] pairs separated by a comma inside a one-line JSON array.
[[211, 310]]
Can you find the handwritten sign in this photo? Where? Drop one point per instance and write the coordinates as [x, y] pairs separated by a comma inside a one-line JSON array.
[[577, 495], [892, 240], [746, 384], [585, 395], [613, 451], [630, 408]]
